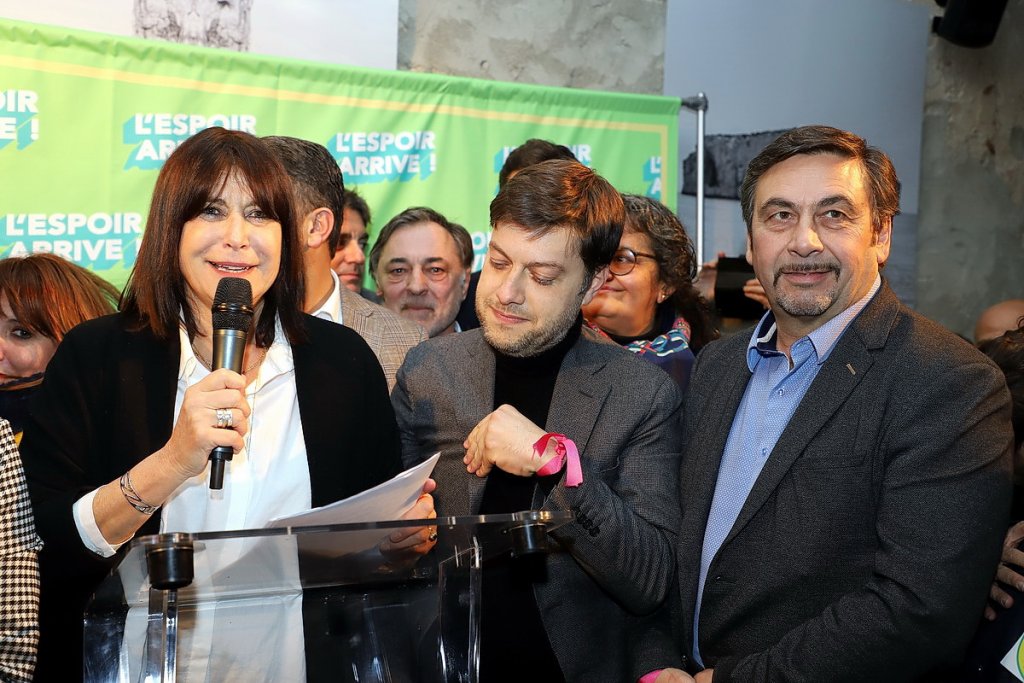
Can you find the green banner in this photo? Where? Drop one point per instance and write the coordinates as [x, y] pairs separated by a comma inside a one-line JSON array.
[[87, 119]]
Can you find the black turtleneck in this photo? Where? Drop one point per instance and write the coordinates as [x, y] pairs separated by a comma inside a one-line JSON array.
[[514, 644], [527, 385]]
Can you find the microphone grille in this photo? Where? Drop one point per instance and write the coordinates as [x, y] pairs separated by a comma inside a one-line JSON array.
[[232, 304]]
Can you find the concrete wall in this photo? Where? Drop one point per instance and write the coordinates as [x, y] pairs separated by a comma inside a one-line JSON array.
[[970, 233], [594, 44], [303, 30], [971, 221]]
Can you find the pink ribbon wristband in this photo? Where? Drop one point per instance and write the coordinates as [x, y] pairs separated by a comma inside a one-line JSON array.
[[566, 456]]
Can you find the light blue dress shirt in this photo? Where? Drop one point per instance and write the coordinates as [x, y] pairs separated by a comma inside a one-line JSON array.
[[772, 395]]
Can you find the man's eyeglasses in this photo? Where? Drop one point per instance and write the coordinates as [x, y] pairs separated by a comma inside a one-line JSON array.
[[624, 261]]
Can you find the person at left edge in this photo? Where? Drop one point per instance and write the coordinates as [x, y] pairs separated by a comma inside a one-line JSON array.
[[119, 435], [19, 567], [42, 296]]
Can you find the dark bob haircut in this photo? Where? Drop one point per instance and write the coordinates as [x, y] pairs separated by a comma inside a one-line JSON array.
[[194, 175]]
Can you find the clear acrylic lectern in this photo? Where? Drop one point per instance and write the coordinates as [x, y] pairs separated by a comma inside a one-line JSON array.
[[301, 603]]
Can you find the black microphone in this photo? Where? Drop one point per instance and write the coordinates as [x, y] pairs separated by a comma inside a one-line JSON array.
[[232, 316]]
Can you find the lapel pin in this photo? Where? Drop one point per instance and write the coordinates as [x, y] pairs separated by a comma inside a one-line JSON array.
[[850, 368]]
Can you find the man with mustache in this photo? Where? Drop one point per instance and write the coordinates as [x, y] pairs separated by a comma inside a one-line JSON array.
[[528, 413], [421, 262], [846, 474]]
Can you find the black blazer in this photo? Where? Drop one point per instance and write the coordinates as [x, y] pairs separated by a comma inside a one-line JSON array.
[[107, 403]]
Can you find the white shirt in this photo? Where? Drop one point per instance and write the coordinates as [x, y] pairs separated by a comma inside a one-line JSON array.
[[268, 478], [331, 308]]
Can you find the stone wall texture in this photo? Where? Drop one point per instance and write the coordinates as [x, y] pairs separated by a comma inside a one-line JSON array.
[[971, 222], [616, 45]]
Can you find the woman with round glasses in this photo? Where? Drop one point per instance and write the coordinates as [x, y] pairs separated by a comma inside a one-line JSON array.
[[648, 304]]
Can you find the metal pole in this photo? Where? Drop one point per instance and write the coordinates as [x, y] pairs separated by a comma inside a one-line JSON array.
[[699, 104]]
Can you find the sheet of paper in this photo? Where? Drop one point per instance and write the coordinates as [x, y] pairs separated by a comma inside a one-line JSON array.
[[1014, 660], [383, 502]]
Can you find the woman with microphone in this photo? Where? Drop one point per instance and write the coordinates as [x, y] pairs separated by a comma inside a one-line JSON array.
[[122, 429]]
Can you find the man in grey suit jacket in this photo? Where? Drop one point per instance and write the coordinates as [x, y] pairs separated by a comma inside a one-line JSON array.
[[489, 399], [389, 336], [319, 190], [846, 477]]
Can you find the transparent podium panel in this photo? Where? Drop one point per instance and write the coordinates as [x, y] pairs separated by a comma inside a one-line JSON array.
[[323, 603]]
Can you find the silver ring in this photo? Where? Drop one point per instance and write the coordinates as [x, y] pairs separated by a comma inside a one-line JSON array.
[[432, 536], [225, 419]]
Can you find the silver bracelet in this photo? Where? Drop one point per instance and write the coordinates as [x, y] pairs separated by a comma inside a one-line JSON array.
[[133, 497]]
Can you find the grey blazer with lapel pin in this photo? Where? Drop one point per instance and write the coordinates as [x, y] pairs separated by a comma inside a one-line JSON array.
[[389, 336], [866, 546]]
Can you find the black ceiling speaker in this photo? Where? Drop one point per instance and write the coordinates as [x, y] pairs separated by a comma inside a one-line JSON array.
[[969, 23]]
